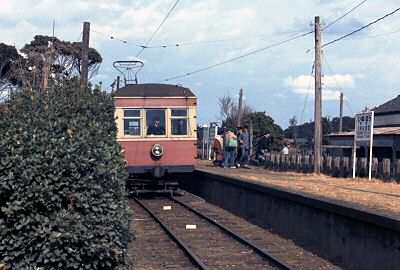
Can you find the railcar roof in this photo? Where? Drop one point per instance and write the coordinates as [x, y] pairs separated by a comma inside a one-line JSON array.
[[153, 90]]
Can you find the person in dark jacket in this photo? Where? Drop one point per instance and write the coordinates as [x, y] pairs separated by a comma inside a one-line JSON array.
[[244, 140], [156, 128]]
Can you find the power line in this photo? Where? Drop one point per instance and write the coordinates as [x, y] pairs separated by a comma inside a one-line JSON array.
[[181, 44], [337, 83], [79, 38], [110, 36], [308, 90], [344, 15], [238, 57], [158, 28], [375, 36], [365, 26]]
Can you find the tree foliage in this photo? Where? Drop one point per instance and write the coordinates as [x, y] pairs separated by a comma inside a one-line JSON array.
[[62, 195], [8, 56], [306, 130], [262, 123], [62, 58]]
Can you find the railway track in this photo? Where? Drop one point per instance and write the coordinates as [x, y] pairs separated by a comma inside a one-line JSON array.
[[207, 243]]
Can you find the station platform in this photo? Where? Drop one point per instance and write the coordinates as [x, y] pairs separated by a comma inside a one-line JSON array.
[[373, 196]]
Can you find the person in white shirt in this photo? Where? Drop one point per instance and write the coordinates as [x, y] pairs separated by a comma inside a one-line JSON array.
[[285, 150]]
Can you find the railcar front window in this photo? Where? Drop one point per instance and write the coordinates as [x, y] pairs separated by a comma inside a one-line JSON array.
[[155, 122], [179, 122], [132, 122]]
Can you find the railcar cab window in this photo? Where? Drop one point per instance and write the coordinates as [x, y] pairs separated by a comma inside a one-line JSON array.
[[179, 122], [132, 122], [155, 122]]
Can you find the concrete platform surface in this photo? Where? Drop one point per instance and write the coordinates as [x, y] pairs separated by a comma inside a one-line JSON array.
[[373, 196]]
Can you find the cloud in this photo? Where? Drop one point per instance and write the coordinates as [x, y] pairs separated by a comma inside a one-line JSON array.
[[372, 63], [304, 85]]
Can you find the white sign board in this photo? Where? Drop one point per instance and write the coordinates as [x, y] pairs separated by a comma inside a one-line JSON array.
[[364, 132], [364, 126]]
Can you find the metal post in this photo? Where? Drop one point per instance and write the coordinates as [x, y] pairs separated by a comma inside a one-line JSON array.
[[341, 113], [354, 155], [371, 145], [118, 82], [318, 98], [85, 54]]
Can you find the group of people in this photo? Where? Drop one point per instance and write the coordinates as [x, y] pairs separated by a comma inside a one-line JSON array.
[[233, 151]]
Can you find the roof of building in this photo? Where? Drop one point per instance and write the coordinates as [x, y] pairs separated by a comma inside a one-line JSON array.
[[377, 131], [391, 106], [153, 90]]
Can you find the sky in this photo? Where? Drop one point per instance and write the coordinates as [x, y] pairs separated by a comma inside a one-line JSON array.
[[366, 65]]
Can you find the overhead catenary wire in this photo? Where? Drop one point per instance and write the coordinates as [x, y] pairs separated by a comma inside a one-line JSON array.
[[110, 36], [361, 28], [337, 83], [191, 43], [158, 28], [344, 15], [238, 57], [182, 44]]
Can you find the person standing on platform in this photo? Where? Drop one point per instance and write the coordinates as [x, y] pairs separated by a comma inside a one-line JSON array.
[[244, 140], [231, 146], [238, 152]]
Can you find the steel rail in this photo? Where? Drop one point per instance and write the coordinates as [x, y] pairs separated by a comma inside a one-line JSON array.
[[269, 257], [176, 239]]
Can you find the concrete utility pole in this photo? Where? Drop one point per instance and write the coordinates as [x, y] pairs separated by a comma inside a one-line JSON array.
[[318, 98], [85, 54], [341, 113], [240, 113]]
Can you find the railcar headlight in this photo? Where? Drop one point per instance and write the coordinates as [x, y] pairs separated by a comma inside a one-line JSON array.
[[157, 150]]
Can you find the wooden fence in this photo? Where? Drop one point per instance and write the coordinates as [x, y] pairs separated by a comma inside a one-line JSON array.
[[334, 166]]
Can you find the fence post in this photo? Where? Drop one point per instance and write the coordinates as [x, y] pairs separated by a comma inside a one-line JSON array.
[[345, 167], [273, 161], [375, 167], [336, 167], [293, 162], [363, 166], [312, 164], [386, 168], [305, 166], [328, 165], [298, 163]]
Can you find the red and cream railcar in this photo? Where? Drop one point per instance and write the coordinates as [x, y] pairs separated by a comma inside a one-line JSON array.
[[157, 128]]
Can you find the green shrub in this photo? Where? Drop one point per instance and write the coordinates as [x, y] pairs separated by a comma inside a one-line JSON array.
[[63, 202]]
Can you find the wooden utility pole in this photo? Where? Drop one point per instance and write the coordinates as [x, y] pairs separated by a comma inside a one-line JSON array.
[[85, 54], [341, 113], [318, 98], [46, 71], [240, 113]]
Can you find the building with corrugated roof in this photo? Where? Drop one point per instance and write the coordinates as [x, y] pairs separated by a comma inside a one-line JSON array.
[[386, 135]]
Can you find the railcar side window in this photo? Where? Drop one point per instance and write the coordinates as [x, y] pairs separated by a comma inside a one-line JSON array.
[[132, 122], [155, 119], [179, 122]]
